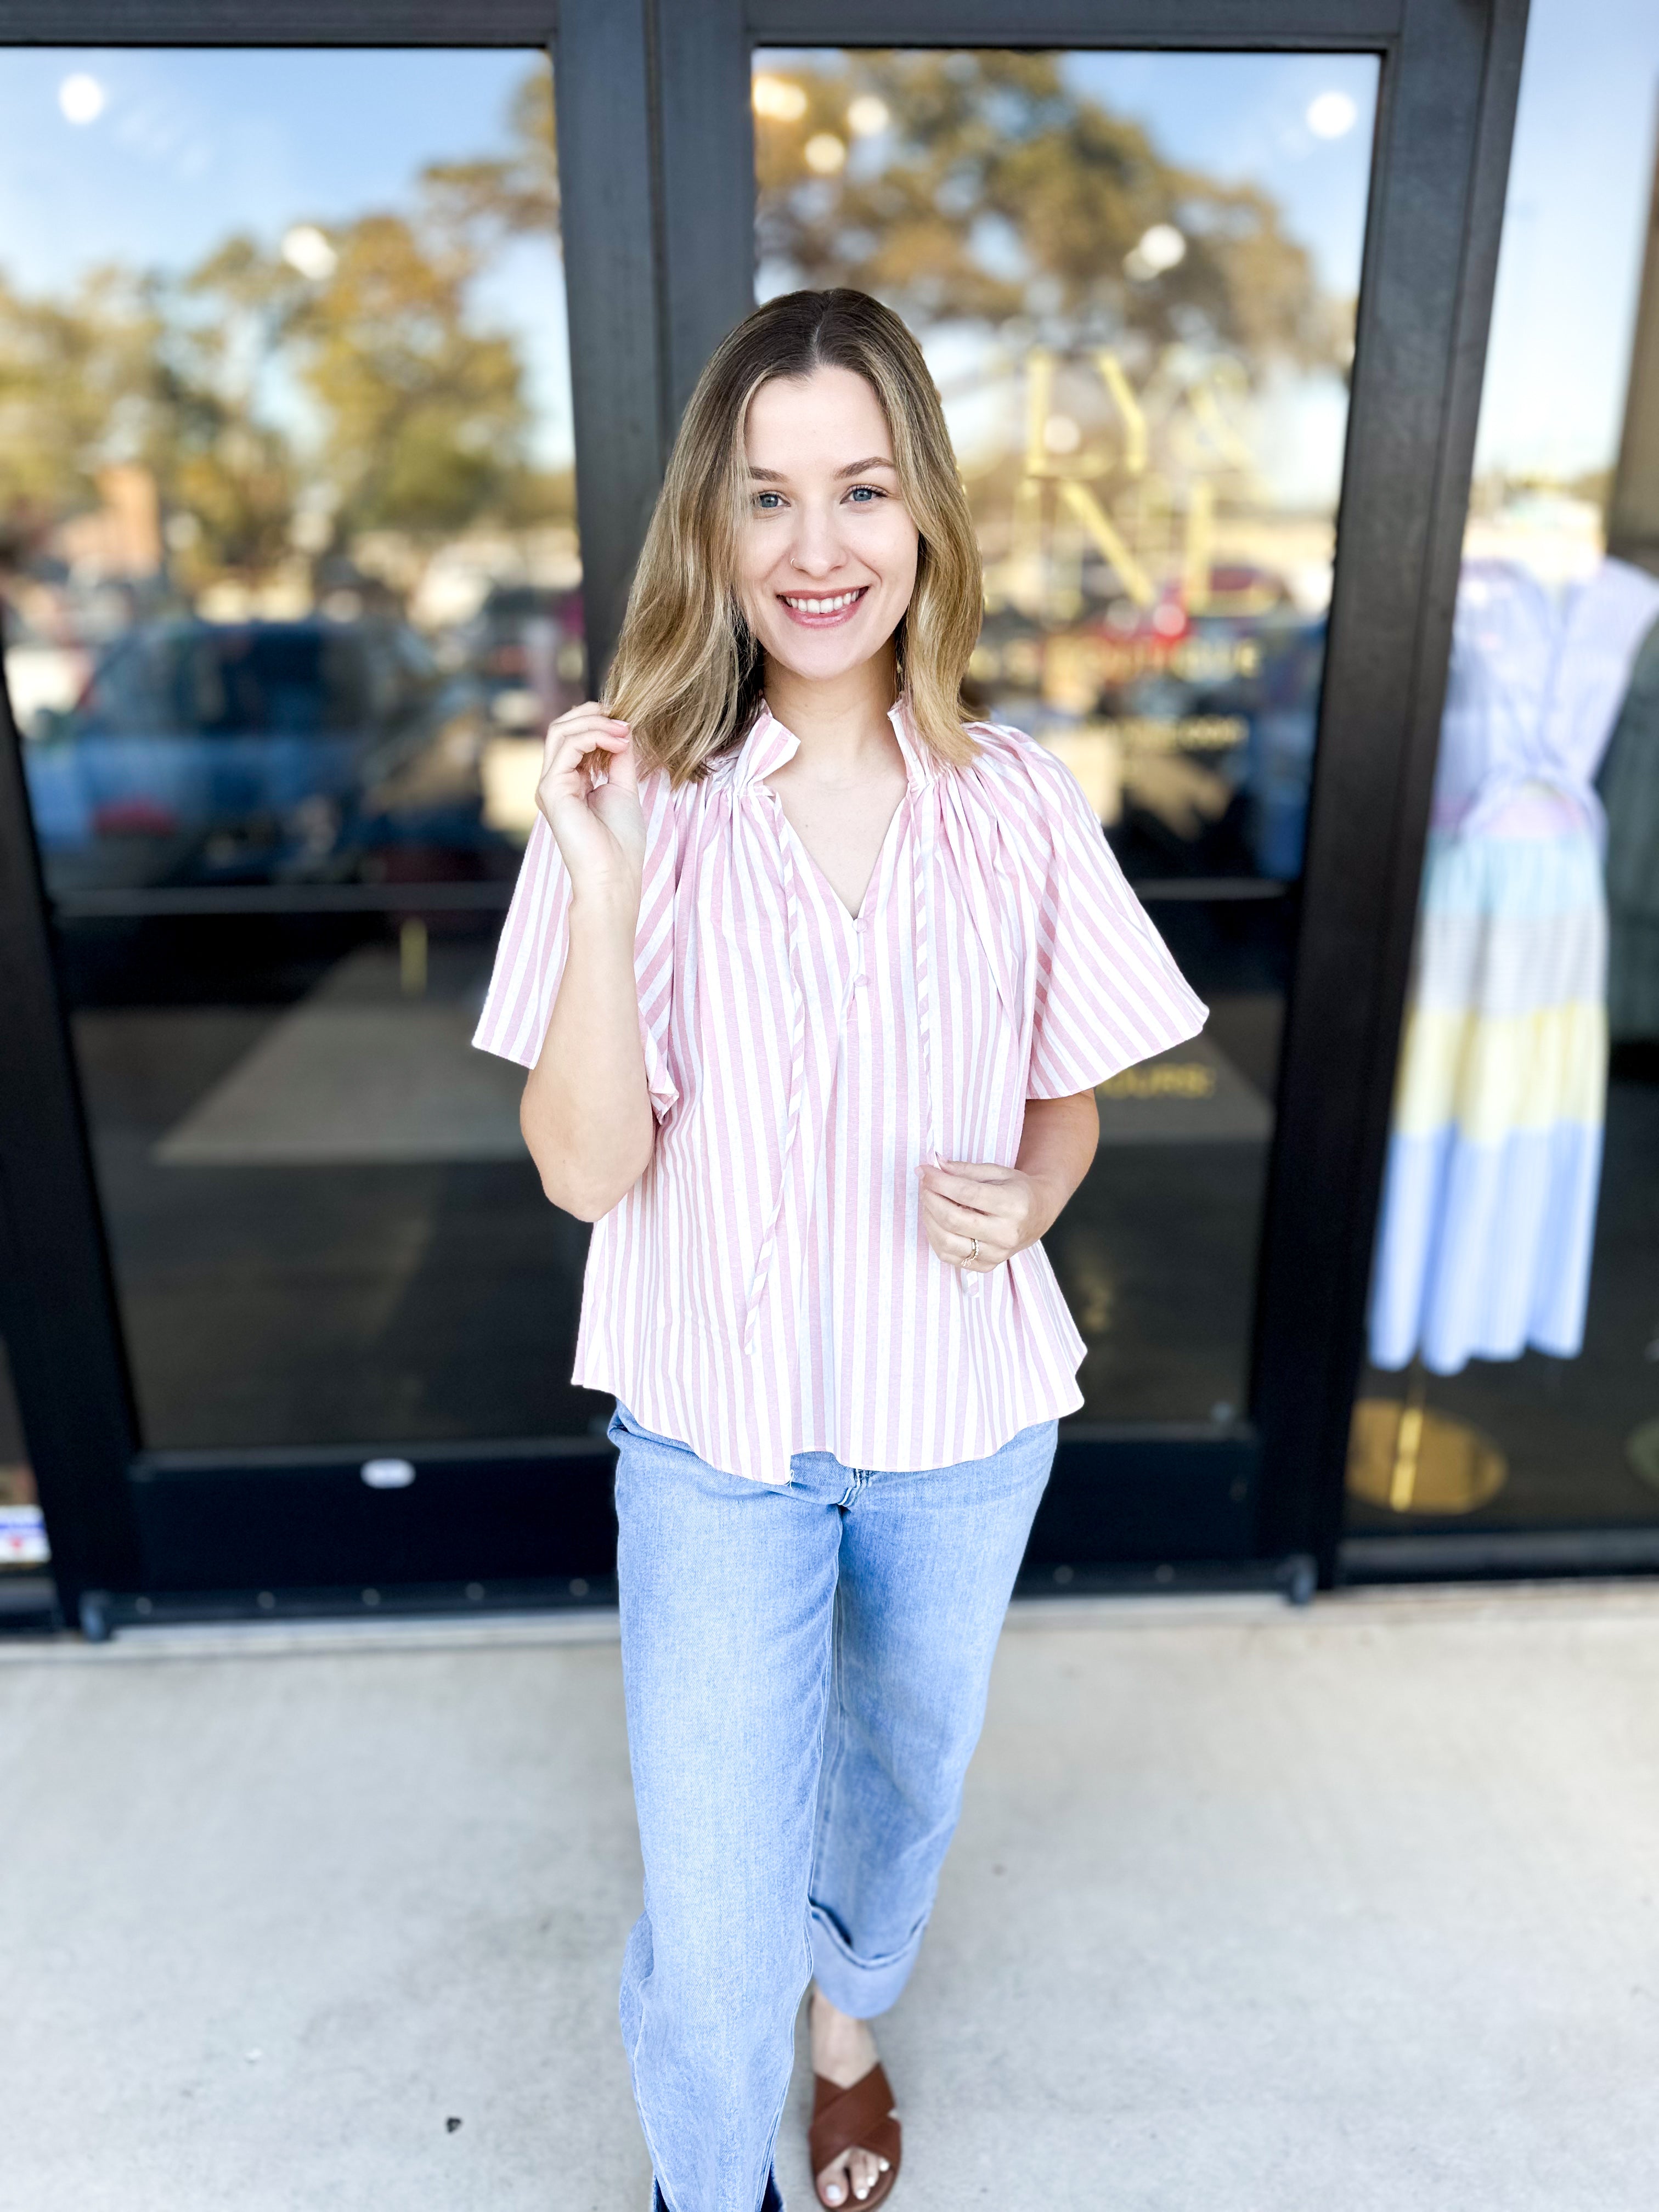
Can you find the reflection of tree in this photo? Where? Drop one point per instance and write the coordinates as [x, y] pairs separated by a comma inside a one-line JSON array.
[[82, 380], [275, 403], [426, 422], [217, 460], [423, 420], [514, 194], [997, 191]]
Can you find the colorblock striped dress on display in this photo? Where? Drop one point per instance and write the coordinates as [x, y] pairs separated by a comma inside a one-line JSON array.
[[1488, 1219], [766, 1288]]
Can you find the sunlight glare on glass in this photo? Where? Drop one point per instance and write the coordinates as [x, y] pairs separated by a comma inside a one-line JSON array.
[[868, 116], [1160, 248], [825, 153], [306, 249], [81, 97], [779, 99], [1332, 115]]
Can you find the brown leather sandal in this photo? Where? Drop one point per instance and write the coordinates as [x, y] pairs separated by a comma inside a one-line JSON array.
[[859, 2118]]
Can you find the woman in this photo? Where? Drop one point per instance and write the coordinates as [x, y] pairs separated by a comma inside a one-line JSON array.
[[815, 983]]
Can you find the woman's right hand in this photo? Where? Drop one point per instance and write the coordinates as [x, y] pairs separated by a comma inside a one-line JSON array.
[[598, 827]]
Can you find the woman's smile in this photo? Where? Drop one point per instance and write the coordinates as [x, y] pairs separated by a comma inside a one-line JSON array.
[[823, 611]]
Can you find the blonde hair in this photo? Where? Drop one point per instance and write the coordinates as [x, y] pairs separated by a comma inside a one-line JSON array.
[[687, 673]]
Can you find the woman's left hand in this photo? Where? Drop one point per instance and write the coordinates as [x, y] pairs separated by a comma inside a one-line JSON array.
[[1001, 1209]]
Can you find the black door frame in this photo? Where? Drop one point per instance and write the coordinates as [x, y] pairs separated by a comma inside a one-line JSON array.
[[657, 185]]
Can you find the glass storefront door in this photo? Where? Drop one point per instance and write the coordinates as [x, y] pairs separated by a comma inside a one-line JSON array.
[[292, 586], [1135, 276], [1514, 1325]]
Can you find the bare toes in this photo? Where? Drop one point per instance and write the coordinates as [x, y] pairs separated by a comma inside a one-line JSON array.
[[833, 2184], [851, 2179], [865, 2169]]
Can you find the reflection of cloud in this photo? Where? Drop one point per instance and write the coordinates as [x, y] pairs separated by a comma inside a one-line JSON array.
[[81, 98], [157, 132]]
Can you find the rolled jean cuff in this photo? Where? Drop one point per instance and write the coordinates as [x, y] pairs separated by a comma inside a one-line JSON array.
[[858, 1987], [771, 2203]]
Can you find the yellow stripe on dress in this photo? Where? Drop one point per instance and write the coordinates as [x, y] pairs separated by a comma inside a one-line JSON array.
[[1495, 1074]]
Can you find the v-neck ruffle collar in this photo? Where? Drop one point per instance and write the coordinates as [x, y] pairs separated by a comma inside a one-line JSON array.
[[770, 745]]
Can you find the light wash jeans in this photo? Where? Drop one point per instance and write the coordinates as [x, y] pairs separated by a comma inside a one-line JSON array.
[[805, 1671]]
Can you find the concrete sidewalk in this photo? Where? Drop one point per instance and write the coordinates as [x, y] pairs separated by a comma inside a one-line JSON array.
[[1351, 1909]]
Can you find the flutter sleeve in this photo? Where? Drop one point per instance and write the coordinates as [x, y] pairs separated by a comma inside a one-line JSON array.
[[1107, 992], [536, 940]]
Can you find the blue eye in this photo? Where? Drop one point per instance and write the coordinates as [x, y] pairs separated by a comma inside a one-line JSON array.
[[762, 498], [865, 493]]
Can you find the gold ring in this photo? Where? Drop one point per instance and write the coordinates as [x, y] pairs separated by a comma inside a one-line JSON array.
[[974, 1253]]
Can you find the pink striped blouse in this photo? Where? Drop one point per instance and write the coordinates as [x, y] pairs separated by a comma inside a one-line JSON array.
[[767, 1287]]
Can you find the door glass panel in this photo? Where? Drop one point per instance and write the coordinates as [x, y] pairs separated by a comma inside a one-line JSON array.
[[290, 571], [1515, 1310], [1135, 276]]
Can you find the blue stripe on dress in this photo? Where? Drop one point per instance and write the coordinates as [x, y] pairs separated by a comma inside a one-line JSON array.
[[1484, 1248]]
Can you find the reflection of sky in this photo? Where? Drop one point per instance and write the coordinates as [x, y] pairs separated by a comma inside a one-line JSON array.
[[192, 145], [1572, 259]]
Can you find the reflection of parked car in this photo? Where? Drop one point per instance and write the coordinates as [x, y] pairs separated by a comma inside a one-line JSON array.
[[525, 644], [42, 678], [204, 753]]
